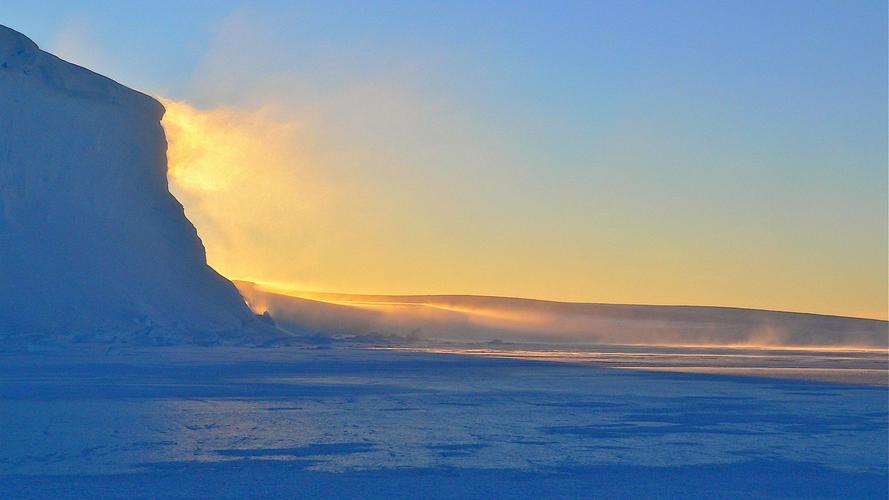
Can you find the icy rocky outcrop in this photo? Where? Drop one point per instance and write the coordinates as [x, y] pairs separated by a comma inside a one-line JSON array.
[[91, 240]]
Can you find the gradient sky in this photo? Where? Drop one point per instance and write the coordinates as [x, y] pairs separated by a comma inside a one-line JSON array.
[[714, 153]]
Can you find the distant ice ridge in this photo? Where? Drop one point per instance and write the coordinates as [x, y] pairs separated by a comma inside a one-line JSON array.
[[480, 318], [91, 240]]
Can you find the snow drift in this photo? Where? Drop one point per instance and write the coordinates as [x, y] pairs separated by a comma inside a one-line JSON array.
[[480, 318], [91, 240]]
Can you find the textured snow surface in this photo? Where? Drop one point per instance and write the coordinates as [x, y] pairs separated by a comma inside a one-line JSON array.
[[307, 422], [91, 241]]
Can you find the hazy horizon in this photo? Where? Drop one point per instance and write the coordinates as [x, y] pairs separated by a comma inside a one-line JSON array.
[[607, 249], [332, 296], [608, 153], [474, 318]]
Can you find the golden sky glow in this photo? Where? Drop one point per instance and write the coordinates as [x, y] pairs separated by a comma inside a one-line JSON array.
[[617, 158], [745, 171], [275, 204]]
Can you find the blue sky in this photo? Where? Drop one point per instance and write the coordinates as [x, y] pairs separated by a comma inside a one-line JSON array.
[[729, 153]]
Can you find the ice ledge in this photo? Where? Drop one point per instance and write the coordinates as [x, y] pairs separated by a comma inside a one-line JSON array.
[[16, 50], [21, 57]]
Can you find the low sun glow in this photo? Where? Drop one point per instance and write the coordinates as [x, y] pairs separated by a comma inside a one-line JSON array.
[[241, 177], [274, 200]]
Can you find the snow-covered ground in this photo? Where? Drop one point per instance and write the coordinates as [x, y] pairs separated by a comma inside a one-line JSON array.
[[851, 366], [91, 421], [100, 269]]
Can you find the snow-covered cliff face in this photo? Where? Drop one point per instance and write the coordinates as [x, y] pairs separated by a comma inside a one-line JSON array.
[[91, 240]]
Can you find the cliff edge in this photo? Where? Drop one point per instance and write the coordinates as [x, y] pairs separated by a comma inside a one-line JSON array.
[[91, 240]]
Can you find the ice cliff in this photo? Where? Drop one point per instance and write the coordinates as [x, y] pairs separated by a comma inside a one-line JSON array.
[[91, 240]]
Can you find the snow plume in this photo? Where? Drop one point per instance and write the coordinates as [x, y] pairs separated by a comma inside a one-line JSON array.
[[240, 173]]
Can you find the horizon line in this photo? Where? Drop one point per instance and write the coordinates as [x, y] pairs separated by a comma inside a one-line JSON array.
[[287, 290]]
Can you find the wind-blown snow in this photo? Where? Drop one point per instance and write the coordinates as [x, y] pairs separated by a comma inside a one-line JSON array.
[[480, 318], [91, 240]]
